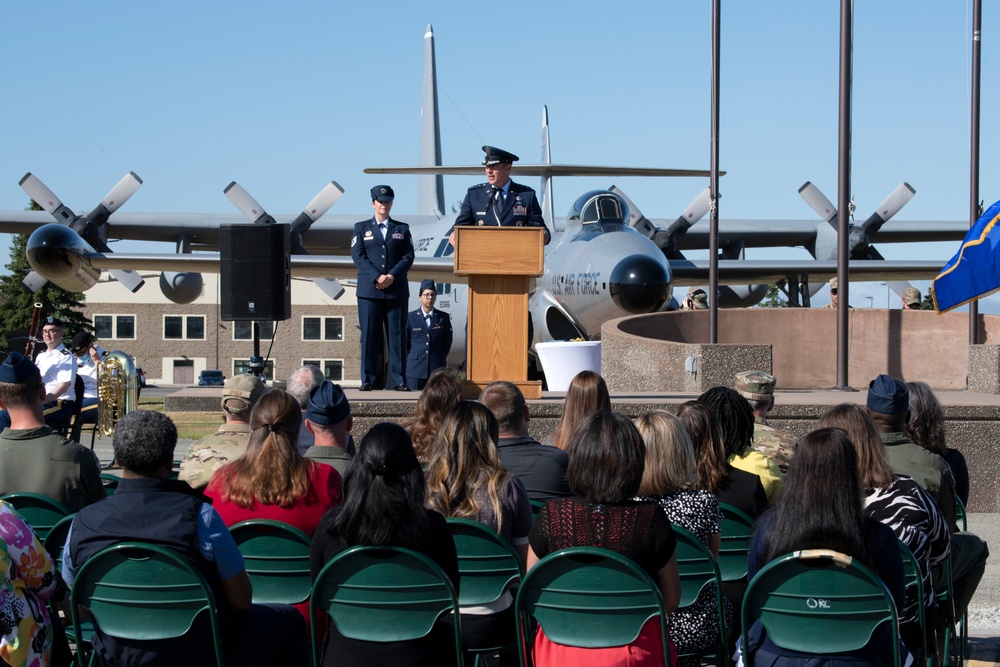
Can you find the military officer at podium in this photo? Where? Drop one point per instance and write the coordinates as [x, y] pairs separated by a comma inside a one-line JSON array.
[[382, 249], [428, 336], [500, 202]]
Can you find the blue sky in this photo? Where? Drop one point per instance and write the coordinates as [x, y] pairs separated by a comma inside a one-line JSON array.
[[283, 98]]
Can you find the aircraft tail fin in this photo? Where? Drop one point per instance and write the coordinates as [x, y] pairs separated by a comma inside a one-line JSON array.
[[546, 178], [430, 187]]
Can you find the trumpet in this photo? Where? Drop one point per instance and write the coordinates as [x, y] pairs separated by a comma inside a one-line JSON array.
[[117, 391]]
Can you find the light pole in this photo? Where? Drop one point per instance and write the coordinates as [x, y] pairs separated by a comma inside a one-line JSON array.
[[870, 300]]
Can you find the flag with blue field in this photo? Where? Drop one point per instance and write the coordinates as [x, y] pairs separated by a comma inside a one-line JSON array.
[[975, 271]]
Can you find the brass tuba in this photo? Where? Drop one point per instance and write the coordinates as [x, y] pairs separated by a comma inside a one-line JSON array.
[[117, 391]]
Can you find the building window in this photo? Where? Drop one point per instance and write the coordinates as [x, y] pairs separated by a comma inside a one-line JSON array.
[[244, 330], [107, 327], [184, 327], [241, 366], [322, 328], [333, 369]]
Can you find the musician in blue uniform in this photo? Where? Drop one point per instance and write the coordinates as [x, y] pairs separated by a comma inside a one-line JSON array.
[[382, 249], [428, 335], [500, 202]]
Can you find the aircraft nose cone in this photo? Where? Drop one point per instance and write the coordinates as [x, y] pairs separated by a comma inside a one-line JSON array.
[[639, 284]]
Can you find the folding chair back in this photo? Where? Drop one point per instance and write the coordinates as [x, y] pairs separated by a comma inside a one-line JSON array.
[[697, 569], [737, 527], [39, 511], [277, 560]]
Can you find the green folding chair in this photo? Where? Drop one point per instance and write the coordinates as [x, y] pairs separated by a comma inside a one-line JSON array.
[[55, 544], [818, 601], [277, 560], [587, 597], [110, 482], [912, 579], [536, 507], [737, 527], [488, 565], [140, 591], [697, 569], [383, 594], [39, 511]]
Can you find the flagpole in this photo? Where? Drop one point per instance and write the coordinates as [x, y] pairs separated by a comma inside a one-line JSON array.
[[844, 191], [977, 24]]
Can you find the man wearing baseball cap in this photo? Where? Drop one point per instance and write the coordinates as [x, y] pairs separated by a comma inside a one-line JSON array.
[[382, 249], [205, 456], [758, 388], [911, 298], [500, 202], [328, 418]]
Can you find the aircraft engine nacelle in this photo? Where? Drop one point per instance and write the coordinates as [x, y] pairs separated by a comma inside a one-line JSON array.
[[741, 296], [181, 288], [63, 258]]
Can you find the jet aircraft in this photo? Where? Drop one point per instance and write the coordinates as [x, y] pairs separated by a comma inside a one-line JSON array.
[[606, 259]]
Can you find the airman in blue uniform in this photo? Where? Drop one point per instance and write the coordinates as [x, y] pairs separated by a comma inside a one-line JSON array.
[[500, 202], [382, 249], [429, 336]]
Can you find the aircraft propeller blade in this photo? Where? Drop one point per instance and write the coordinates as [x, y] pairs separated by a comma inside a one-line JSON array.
[[637, 220], [695, 211], [47, 199], [318, 207], [896, 200], [34, 281], [247, 204], [118, 195], [330, 286], [818, 202]]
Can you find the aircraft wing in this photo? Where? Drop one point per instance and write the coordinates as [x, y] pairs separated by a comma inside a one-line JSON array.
[[745, 272], [545, 170], [303, 266]]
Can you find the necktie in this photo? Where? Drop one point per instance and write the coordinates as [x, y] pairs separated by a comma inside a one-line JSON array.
[[497, 199], [381, 229], [427, 318]]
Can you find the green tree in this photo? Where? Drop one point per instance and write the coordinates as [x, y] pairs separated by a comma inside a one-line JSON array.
[[927, 303], [17, 305], [774, 298]]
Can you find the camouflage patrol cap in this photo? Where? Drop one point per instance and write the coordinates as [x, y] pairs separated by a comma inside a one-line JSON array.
[[699, 298], [911, 296], [241, 393], [833, 283], [755, 385]]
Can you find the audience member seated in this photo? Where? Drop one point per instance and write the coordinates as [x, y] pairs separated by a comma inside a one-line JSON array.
[[272, 480], [888, 403], [384, 495], [900, 503], [730, 485], [587, 393], [465, 479], [148, 507], [736, 430], [542, 470], [30, 581], [239, 394], [299, 385], [926, 428], [328, 419], [668, 480], [442, 392], [821, 508], [33, 457], [606, 461]]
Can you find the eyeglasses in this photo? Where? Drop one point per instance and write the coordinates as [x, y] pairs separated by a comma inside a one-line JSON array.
[[51, 332], [833, 291]]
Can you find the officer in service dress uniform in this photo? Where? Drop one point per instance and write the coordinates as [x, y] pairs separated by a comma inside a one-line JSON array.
[[500, 202], [428, 335], [382, 249]]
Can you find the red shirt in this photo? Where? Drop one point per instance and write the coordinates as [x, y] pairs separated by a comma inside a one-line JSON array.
[[324, 493]]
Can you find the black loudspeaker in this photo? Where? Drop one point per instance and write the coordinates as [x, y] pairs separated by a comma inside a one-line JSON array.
[[255, 272]]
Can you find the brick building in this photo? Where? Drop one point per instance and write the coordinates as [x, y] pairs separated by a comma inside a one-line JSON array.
[[172, 343]]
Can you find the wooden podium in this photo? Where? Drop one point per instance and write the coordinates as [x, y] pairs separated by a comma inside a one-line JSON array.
[[499, 261]]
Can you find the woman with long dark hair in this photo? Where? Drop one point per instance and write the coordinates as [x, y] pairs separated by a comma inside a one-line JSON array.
[[465, 479], [926, 428], [587, 393], [384, 494], [821, 508], [442, 392], [606, 462], [900, 503]]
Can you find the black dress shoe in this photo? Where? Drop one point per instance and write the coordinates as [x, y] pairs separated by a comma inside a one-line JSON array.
[[402, 387], [366, 386]]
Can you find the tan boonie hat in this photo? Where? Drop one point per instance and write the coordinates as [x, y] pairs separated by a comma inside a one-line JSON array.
[[755, 385], [241, 393], [911, 296]]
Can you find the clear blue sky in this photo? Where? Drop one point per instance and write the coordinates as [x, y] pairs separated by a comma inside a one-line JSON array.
[[285, 97]]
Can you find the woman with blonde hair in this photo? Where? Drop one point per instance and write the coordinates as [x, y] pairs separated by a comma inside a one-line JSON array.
[[272, 480], [466, 480], [587, 394], [669, 480], [442, 392], [901, 504]]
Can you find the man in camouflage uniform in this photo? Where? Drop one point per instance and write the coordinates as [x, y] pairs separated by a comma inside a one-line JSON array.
[[758, 388], [207, 455]]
